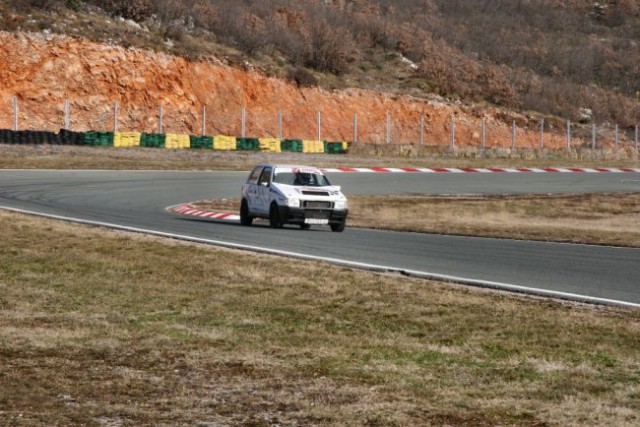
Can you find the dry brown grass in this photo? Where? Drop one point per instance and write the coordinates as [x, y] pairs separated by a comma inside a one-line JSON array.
[[74, 157], [607, 219], [603, 219], [106, 328]]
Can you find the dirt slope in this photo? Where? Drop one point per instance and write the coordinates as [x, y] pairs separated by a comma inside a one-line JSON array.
[[44, 70]]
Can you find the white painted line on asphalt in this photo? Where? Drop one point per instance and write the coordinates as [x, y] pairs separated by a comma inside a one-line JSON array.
[[344, 263]]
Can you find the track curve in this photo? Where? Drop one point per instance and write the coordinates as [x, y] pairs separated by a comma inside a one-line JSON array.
[[137, 199]]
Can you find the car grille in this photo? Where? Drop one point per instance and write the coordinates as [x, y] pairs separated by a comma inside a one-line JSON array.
[[315, 193], [317, 204], [316, 214]]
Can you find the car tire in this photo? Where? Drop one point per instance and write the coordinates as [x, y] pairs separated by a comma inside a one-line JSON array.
[[245, 218], [304, 226], [338, 227], [274, 216]]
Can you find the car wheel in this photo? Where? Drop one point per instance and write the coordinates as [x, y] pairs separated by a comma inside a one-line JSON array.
[[304, 226], [245, 218], [339, 227], [274, 216]]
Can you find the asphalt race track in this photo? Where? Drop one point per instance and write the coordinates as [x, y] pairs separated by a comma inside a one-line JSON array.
[[137, 199]]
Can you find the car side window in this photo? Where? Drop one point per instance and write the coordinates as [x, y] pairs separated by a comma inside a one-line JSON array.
[[265, 177], [284, 177], [253, 178]]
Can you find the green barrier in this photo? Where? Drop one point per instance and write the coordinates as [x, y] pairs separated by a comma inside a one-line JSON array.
[[334, 147], [99, 139], [292, 145], [201, 142], [152, 140], [248, 144]]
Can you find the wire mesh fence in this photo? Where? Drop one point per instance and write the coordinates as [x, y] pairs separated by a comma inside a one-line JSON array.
[[406, 128]]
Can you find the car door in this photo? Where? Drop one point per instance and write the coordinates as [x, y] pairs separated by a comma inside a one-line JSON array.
[[263, 190], [250, 188]]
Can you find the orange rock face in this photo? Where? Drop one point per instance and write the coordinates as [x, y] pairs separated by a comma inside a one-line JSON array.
[[42, 72]]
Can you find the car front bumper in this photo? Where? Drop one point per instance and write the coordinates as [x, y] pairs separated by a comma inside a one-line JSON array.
[[301, 215]]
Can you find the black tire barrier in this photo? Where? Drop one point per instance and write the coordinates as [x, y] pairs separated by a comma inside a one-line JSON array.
[[30, 137], [68, 137], [5, 136]]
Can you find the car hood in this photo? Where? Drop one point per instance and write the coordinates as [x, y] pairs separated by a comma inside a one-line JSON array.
[[333, 191]]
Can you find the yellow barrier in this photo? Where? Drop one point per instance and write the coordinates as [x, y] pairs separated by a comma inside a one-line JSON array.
[[175, 141], [270, 144], [222, 142], [126, 139], [312, 146]]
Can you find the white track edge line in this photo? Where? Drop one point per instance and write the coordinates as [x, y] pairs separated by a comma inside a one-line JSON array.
[[344, 263]]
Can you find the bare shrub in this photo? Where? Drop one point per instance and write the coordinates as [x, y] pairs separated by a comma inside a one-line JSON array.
[[46, 5], [329, 49], [137, 10], [302, 77], [204, 14], [170, 10]]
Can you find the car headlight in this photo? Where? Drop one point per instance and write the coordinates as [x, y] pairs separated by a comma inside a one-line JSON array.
[[293, 202], [340, 206]]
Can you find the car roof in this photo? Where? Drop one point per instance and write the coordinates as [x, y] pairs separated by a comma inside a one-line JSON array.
[[284, 166]]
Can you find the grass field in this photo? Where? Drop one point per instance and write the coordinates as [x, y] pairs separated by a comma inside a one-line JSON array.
[[106, 328], [101, 327], [602, 219]]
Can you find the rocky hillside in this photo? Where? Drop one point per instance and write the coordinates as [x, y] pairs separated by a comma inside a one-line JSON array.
[[43, 71], [503, 61]]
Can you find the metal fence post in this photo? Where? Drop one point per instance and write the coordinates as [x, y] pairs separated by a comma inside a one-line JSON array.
[[568, 135], [243, 120], [115, 116], [355, 128], [67, 112], [319, 125], [593, 136], [453, 133], [635, 139], [421, 128], [388, 127], [542, 133], [513, 136], [204, 120], [483, 133], [280, 125], [616, 138], [15, 113], [160, 118]]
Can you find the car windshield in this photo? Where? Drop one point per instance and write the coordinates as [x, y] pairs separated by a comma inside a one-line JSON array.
[[307, 179]]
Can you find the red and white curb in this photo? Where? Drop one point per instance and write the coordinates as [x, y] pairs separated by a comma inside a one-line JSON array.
[[188, 209], [482, 170]]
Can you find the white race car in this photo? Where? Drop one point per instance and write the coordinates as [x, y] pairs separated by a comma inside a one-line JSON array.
[[288, 194]]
